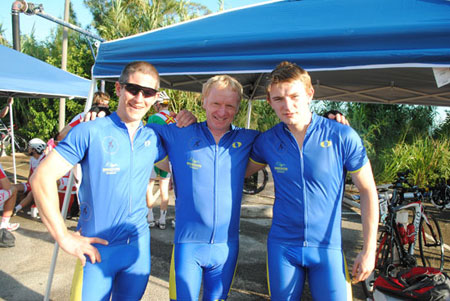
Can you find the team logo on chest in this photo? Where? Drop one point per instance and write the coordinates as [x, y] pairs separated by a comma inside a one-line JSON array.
[[110, 145], [236, 144], [111, 168], [326, 143], [281, 148], [195, 143], [280, 167], [194, 164]]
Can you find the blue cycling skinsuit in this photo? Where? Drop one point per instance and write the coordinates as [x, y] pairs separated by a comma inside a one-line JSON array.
[[305, 236], [116, 171], [208, 180]]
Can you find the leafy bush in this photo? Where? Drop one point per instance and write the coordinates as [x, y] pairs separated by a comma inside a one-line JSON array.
[[427, 158]]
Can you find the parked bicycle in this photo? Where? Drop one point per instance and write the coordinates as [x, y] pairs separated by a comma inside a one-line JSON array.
[[20, 143], [256, 182], [401, 231], [439, 194]]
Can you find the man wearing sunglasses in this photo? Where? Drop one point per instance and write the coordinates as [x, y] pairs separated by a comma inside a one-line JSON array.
[[116, 154]]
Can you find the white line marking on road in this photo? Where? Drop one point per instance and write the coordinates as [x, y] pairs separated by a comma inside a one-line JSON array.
[[16, 166]]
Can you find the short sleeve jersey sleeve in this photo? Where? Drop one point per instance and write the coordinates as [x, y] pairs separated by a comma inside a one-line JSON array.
[[74, 146]]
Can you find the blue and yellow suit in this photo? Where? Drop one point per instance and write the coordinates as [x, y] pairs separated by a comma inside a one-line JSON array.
[[116, 171], [208, 180], [305, 236]]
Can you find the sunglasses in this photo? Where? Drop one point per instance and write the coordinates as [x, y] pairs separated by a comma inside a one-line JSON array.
[[135, 89]]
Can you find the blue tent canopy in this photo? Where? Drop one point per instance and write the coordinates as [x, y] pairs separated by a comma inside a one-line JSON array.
[[366, 51], [25, 76]]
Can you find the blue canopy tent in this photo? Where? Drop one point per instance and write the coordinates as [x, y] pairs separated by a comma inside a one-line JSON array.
[[380, 51], [25, 76]]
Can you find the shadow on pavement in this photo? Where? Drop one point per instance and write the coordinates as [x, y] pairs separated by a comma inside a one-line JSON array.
[[14, 286]]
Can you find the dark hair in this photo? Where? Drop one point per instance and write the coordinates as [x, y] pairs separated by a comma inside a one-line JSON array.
[[139, 66], [97, 109]]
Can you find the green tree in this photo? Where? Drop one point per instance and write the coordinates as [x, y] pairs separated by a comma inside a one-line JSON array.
[[3, 40], [119, 18], [38, 117]]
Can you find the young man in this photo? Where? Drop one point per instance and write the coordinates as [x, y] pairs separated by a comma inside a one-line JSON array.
[[115, 154], [309, 156], [162, 116]]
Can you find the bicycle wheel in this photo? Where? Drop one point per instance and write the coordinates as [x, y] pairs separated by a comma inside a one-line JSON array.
[[431, 244], [441, 197], [256, 182], [382, 261], [20, 143]]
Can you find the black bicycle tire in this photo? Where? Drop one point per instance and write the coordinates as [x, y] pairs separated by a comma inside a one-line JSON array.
[[425, 260], [21, 143], [437, 199], [260, 188], [382, 261]]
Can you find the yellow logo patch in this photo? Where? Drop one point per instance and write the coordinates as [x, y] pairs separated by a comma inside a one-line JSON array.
[[236, 144], [194, 164], [326, 143]]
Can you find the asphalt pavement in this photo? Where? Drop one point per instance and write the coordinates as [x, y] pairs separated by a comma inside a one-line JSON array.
[[24, 269]]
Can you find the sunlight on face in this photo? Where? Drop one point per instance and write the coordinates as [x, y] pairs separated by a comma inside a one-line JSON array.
[[132, 108], [290, 101], [221, 105]]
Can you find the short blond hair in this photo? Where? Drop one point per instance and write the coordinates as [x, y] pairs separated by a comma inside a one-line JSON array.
[[288, 72], [222, 81]]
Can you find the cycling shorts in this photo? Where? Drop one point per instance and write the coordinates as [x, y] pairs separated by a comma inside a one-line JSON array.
[[288, 266], [122, 273], [191, 263]]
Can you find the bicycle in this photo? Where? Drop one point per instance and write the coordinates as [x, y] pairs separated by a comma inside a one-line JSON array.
[[397, 243], [256, 182], [21, 145], [439, 194]]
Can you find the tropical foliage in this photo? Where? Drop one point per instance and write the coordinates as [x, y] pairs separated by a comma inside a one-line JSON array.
[[396, 137]]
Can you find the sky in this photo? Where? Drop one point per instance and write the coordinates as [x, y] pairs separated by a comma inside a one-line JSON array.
[[42, 27]]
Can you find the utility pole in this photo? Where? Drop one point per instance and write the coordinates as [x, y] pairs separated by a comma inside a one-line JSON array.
[[62, 101], [17, 8]]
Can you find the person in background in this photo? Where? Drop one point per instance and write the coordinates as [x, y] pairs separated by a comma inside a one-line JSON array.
[[100, 103], [5, 109], [36, 148], [8, 195], [162, 116]]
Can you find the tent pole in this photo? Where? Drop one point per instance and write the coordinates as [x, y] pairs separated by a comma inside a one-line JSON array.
[[66, 203], [11, 122], [250, 99], [64, 209], [88, 104], [249, 113]]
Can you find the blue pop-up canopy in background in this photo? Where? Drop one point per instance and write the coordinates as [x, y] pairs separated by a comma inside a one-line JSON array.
[[380, 51]]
